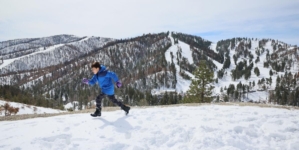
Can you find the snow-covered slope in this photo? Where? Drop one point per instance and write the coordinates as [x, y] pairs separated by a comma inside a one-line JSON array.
[[207, 127], [18, 47], [163, 61], [29, 109], [261, 54], [53, 55], [264, 71], [182, 84]]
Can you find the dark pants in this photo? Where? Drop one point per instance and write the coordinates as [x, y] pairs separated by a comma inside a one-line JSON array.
[[111, 97]]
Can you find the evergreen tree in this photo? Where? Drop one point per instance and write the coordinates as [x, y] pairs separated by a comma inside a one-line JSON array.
[[226, 63], [175, 98], [257, 71], [230, 89], [200, 88], [164, 100], [277, 80], [226, 98], [217, 98], [257, 59], [235, 59], [220, 73], [271, 72], [247, 74], [270, 81], [236, 93], [171, 98]]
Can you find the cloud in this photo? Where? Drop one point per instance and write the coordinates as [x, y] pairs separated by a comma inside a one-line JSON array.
[[211, 19]]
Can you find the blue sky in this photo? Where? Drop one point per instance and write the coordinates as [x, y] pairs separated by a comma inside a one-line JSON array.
[[211, 19]]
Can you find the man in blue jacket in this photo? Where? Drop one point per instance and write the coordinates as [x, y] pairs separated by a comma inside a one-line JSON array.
[[104, 78]]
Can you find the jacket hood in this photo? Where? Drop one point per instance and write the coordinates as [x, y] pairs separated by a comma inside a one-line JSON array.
[[102, 72], [103, 68]]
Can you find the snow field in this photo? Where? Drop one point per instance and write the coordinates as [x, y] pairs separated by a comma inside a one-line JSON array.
[[208, 127]]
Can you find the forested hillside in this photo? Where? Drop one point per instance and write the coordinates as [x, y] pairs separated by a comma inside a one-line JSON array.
[[50, 69]]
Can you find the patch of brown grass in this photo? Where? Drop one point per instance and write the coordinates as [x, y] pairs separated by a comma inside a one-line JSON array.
[[8, 110]]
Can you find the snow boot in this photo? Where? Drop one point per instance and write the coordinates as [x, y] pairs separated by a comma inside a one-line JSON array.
[[97, 112], [125, 108]]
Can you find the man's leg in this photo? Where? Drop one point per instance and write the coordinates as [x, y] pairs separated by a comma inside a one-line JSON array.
[[99, 100], [99, 103], [120, 104], [115, 101]]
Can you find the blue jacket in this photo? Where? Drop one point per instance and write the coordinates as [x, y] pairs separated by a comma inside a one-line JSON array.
[[104, 78]]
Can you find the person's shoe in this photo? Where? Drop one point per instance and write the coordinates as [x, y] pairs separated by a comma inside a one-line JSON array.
[[97, 112], [126, 109]]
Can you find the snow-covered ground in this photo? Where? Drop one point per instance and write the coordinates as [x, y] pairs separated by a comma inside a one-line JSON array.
[[208, 127], [29, 109]]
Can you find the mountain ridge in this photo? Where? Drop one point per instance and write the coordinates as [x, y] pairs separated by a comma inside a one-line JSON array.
[[155, 61]]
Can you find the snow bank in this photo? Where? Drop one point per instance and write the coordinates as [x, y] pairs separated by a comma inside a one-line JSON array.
[[208, 127], [29, 109]]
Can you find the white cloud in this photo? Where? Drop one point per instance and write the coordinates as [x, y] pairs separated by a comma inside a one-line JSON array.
[[122, 19]]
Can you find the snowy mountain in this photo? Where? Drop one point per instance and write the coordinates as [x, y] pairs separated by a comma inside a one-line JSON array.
[[46, 52], [245, 69], [19, 47], [206, 127]]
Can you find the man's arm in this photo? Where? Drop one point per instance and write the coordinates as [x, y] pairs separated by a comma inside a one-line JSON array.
[[113, 76], [93, 80]]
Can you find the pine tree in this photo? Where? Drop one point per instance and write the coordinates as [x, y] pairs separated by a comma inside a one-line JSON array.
[[247, 74], [164, 100], [257, 59], [236, 93], [270, 81], [271, 73], [200, 88], [278, 80], [257, 71], [175, 98], [217, 98], [235, 59], [226, 63]]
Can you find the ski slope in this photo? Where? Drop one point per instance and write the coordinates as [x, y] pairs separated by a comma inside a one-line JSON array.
[[208, 127], [182, 84]]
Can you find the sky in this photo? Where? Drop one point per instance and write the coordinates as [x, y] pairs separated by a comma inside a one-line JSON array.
[[213, 20]]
